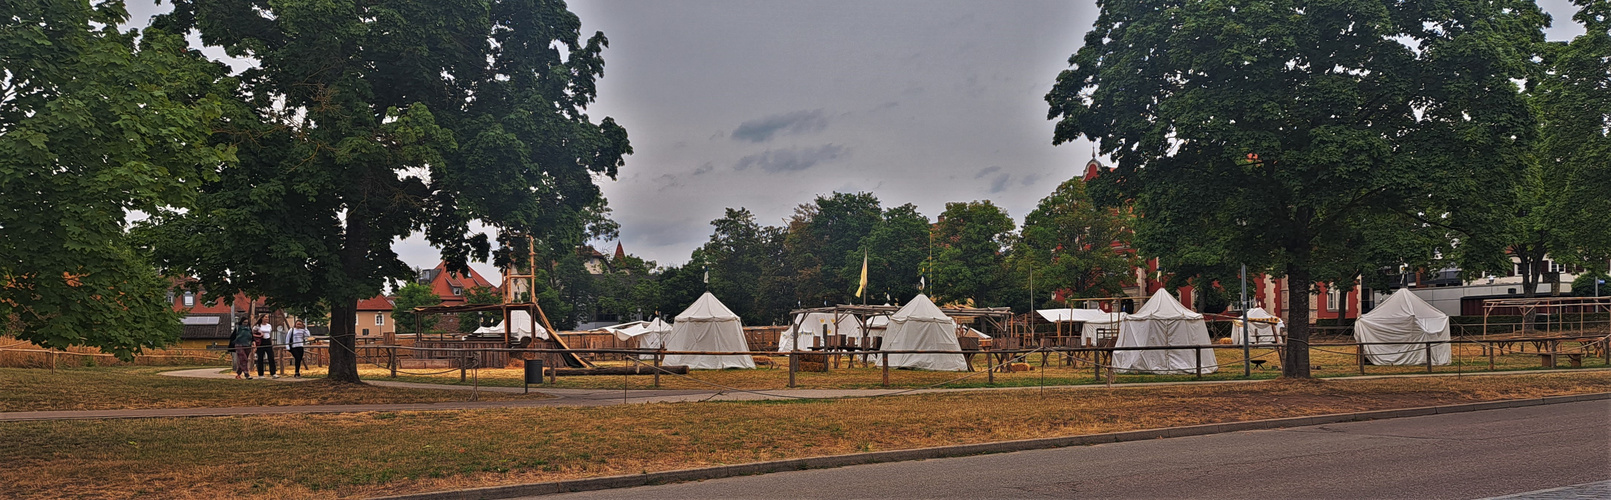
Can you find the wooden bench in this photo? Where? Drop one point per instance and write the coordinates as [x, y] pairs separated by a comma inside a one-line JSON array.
[[1548, 359]]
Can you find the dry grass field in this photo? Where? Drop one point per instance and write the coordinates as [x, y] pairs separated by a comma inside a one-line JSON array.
[[137, 387], [356, 455]]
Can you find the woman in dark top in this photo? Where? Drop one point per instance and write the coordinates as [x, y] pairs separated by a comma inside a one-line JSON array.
[[240, 343]]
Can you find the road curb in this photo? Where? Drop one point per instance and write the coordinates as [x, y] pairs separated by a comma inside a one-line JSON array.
[[832, 461]]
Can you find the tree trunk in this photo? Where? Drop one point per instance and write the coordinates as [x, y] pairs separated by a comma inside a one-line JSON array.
[[343, 352], [344, 310], [1529, 259], [1297, 362]]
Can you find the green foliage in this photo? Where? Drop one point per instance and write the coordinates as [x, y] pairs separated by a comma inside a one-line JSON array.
[[1307, 140], [1574, 103], [970, 244], [94, 124], [409, 296], [363, 123], [824, 246], [739, 254], [897, 248], [479, 295], [1075, 246], [1584, 285]]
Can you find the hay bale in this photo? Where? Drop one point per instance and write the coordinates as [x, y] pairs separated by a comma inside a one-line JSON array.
[[812, 366], [1019, 367], [763, 361], [1225, 341]]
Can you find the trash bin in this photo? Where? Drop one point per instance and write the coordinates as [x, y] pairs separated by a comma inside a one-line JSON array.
[[534, 371]]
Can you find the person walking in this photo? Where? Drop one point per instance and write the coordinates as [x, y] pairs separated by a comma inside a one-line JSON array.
[[264, 333], [296, 341], [240, 344]]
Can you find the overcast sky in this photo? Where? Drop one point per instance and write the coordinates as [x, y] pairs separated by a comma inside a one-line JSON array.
[[767, 104]]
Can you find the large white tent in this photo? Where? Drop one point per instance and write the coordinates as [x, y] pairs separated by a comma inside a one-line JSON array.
[[1258, 332], [1093, 322], [650, 334], [921, 326], [814, 325], [1164, 322], [1403, 317], [707, 325], [520, 326]]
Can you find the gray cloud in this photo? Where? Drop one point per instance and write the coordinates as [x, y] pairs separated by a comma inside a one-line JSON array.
[[985, 172], [795, 122], [999, 184], [704, 169], [791, 159], [1030, 180]]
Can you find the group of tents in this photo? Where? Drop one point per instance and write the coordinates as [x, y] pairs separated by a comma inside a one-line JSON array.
[[708, 326]]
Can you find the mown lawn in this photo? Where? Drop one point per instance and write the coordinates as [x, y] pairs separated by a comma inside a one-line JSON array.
[[136, 387], [355, 455]]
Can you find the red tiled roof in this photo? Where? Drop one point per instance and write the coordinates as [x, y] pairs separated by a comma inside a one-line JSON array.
[[444, 283], [376, 303]]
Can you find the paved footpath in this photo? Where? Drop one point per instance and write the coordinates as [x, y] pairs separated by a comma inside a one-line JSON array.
[[561, 397]]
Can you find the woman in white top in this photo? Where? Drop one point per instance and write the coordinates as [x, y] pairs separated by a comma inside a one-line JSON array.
[[264, 333], [296, 340]]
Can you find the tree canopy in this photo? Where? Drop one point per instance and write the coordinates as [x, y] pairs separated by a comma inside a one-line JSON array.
[[1307, 139], [362, 123], [94, 125]]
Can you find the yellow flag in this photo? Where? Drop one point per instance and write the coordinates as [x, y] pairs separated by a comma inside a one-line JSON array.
[[863, 286]]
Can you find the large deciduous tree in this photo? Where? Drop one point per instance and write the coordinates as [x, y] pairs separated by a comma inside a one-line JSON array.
[[1074, 246], [970, 253], [364, 122], [1308, 139], [94, 123], [1574, 103]]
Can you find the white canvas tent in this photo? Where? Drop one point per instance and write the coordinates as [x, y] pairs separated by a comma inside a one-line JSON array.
[[520, 326], [1164, 322], [1094, 323], [814, 326], [1258, 332], [1403, 317], [921, 326], [650, 334], [707, 325]]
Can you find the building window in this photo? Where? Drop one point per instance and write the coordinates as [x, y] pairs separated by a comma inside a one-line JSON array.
[[1334, 300], [458, 291], [190, 299], [380, 319]]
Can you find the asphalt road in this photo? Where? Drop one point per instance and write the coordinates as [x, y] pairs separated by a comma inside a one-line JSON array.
[[1458, 456]]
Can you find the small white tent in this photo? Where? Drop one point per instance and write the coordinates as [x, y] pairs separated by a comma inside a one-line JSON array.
[[1258, 332], [707, 325], [650, 334], [520, 326], [1403, 317], [1094, 323], [921, 326], [814, 326], [1164, 322]]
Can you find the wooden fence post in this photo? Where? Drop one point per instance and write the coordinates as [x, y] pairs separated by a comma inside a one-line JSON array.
[[1491, 350], [990, 366], [794, 365], [1359, 357], [886, 369], [1199, 357], [657, 355], [1429, 357], [392, 363], [464, 359]]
